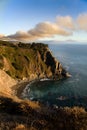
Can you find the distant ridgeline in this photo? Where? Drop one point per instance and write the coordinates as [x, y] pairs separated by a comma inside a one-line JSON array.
[[29, 61]]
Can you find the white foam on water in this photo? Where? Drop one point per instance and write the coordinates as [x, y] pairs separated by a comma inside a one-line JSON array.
[[31, 98], [44, 79], [62, 98], [77, 79], [26, 90], [67, 67]]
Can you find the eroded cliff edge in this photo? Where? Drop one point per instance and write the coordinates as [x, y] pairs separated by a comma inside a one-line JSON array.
[[29, 61]]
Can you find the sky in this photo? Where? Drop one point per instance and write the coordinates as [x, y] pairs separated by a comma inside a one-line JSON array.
[[43, 20]]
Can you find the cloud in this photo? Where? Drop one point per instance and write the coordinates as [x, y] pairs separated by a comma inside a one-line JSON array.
[[47, 29], [66, 22], [19, 35], [41, 30], [64, 26], [2, 36], [82, 22]]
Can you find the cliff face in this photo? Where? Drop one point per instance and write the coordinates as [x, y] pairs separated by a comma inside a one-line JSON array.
[[6, 82], [29, 61]]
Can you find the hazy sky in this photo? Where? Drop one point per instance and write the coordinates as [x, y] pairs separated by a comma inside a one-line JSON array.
[[30, 20]]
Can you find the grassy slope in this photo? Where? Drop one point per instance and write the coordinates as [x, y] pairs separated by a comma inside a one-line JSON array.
[[22, 59], [27, 116]]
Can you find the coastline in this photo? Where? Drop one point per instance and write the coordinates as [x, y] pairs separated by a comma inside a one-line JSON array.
[[18, 89], [23, 84]]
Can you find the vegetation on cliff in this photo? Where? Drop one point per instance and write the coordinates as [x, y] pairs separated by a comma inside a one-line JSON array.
[[30, 61]]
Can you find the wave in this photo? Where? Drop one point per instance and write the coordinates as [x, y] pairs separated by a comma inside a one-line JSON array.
[[27, 90], [61, 98], [67, 67], [44, 79]]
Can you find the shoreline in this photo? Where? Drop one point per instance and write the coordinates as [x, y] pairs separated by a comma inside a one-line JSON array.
[[18, 89], [21, 85]]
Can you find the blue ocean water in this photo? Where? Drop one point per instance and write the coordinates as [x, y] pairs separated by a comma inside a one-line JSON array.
[[66, 92]]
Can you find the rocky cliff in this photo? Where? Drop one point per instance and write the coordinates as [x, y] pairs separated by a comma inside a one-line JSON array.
[[6, 83], [29, 61]]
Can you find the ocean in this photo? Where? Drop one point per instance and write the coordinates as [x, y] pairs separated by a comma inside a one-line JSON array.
[[66, 92]]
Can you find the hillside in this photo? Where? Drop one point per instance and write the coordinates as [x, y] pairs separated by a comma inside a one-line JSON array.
[[25, 115], [6, 82], [29, 61]]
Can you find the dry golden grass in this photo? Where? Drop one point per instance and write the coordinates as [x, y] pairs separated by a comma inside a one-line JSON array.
[[20, 127], [26, 115]]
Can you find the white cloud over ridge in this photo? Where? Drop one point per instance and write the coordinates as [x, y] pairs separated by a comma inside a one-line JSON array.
[[41, 30], [66, 22], [64, 26], [82, 22]]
